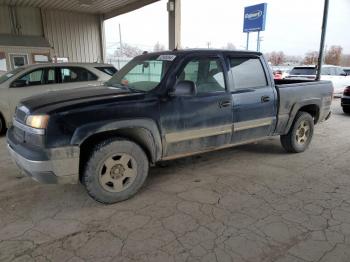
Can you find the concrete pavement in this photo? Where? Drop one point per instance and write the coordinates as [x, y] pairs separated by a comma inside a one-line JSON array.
[[250, 203]]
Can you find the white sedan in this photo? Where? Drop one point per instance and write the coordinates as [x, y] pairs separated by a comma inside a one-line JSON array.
[[30, 80]]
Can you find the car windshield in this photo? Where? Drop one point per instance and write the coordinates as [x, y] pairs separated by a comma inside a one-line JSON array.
[[10, 74], [303, 71], [143, 73]]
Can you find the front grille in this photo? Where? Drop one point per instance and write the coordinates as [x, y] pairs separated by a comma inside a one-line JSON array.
[[21, 113]]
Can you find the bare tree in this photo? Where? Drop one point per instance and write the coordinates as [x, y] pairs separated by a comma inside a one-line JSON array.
[[128, 51], [345, 60], [158, 47], [311, 58], [229, 46], [276, 58], [333, 55]]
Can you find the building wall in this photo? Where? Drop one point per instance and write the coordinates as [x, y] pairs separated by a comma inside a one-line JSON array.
[[29, 51], [76, 36], [73, 35], [5, 20]]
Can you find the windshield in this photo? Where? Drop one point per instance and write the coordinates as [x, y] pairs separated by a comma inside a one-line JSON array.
[[10, 74], [143, 73], [303, 71]]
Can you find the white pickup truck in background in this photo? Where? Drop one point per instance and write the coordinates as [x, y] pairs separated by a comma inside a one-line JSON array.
[[336, 74]]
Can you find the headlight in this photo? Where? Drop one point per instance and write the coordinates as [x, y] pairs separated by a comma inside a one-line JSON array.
[[37, 121]]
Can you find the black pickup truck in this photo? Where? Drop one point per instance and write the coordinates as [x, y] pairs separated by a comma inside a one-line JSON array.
[[161, 106]]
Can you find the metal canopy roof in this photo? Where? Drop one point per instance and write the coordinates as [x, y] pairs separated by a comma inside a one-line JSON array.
[[107, 8]]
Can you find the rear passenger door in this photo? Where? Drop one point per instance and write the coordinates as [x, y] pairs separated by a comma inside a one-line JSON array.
[[254, 99], [75, 77]]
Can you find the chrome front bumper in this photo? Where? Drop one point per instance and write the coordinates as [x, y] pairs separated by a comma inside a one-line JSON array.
[[62, 168]]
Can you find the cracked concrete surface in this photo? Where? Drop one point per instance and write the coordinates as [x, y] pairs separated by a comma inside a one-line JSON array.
[[250, 203]]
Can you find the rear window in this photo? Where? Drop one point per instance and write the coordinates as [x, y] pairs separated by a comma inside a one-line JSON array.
[[303, 71], [109, 70]]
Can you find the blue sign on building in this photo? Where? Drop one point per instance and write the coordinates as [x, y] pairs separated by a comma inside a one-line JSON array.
[[254, 18]]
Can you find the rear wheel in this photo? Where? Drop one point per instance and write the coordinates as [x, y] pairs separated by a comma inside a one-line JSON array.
[[346, 110], [115, 171], [300, 134]]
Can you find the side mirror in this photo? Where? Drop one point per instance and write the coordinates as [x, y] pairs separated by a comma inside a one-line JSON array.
[[19, 83], [184, 88]]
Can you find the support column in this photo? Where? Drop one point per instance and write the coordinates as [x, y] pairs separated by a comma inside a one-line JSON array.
[[174, 13], [102, 40]]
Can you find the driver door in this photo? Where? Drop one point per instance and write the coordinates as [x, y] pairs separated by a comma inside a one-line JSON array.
[[199, 121]]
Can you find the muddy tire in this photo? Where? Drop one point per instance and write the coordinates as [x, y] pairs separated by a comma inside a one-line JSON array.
[[300, 134], [346, 110], [115, 171]]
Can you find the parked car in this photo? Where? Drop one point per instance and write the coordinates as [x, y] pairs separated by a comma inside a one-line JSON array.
[[161, 106], [281, 72], [332, 73], [345, 100], [30, 80]]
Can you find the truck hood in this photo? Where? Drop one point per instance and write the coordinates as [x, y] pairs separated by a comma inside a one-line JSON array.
[[87, 95]]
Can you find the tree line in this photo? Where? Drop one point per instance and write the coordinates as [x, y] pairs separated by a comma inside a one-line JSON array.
[[333, 56]]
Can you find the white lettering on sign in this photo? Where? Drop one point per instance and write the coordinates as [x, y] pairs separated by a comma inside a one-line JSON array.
[[166, 57], [254, 15]]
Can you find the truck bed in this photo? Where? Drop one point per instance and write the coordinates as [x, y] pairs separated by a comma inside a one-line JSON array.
[[294, 94]]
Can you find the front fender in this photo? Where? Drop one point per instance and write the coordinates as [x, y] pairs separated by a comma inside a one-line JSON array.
[[84, 132]]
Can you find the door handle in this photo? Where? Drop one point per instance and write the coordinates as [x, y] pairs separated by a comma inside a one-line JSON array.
[[265, 99], [225, 103]]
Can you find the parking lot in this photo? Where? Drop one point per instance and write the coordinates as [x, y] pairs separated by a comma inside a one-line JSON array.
[[250, 203]]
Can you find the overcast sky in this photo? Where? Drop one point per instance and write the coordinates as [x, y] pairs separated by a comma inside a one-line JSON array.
[[292, 26]]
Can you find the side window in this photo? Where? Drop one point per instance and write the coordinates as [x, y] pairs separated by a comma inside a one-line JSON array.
[[340, 72], [333, 71], [75, 74], [326, 71], [206, 73], [109, 70], [51, 76], [247, 73], [33, 78]]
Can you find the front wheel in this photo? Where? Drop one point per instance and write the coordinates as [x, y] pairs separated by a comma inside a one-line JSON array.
[[115, 171], [300, 134]]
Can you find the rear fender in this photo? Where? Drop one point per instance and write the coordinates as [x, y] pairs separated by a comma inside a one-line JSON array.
[[296, 108]]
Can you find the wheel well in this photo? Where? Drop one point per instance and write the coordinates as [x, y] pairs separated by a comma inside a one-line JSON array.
[[313, 110], [140, 136]]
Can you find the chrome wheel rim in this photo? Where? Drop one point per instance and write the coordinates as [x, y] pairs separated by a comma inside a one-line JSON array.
[[303, 133], [118, 172]]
